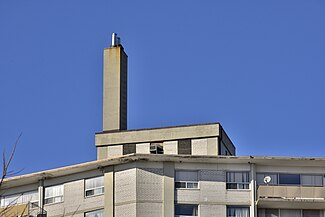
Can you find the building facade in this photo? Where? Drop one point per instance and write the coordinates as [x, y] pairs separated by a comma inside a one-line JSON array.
[[187, 170]]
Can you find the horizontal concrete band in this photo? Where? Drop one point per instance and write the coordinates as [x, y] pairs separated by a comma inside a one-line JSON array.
[[159, 134]]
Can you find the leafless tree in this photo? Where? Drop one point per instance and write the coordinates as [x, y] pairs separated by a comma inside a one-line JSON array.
[[6, 163], [6, 171]]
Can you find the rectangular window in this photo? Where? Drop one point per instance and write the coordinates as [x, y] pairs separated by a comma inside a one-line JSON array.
[[156, 148], [268, 213], [289, 179], [129, 149], [97, 213], [237, 211], [31, 197], [261, 176], [290, 213], [312, 213], [311, 180], [186, 179], [23, 198], [54, 194], [94, 186], [237, 180], [186, 210], [184, 146]]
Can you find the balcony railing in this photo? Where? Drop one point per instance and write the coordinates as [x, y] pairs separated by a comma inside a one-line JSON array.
[[295, 197], [15, 210], [291, 192]]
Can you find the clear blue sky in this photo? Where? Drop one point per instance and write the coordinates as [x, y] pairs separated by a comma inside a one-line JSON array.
[[258, 67]]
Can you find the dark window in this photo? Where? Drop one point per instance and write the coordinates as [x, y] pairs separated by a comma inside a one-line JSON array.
[[312, 213], [129, 149], [268, 213], [289, 179], [184, 146], [186, 210], [237, 211], [156, 148], [237, 180]]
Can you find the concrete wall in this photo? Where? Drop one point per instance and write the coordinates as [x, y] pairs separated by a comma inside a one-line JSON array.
[[115, 89], [170, 147], [206, 146], [116, 150], [146, 189], [159, 134], [143, 148]]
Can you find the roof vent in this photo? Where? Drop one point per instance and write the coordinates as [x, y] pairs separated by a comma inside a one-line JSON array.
[[116, 41]]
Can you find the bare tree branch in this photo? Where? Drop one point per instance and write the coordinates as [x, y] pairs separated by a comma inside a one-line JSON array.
[[6, 172]]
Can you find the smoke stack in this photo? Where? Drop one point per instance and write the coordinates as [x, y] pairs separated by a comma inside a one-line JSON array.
[[115, 87]]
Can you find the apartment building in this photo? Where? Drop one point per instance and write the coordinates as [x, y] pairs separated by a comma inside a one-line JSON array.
[[187, 170]]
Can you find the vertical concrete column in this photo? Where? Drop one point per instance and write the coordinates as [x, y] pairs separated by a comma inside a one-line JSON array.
[[115, 89], [109, 202], [168, 189], [253, 208], [41, 195]]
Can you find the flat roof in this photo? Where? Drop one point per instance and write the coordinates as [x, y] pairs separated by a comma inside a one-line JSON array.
[[77, 168]]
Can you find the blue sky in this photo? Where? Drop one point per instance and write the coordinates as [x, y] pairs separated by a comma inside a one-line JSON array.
[[255, 66]]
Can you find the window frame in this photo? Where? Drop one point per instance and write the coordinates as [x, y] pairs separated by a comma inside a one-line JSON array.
[[60, 196], [93, 189], [237, 207], [93, 211], [187, 182], [183, 204], [300, 179], [19, 199], [238, 183]]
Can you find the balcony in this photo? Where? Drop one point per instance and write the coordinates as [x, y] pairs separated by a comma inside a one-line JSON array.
[[294, 197], [15, 210]]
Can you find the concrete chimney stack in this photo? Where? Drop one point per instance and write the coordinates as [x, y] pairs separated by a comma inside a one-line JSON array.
[[115, 87]]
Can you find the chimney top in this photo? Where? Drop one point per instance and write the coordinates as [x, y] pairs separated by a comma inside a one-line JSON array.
[[116, 41]]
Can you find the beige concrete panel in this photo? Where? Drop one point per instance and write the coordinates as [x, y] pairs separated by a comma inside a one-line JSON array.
[[114, 89], [143, 148], [170, 147], [168, 189], [212, 210], [111, 88], [116, 150], [191, 196], [126, 210], [159, 134], [238, 197], [212, 192], [125, 186], [199, 146], [149, 209], [109, 192], [291, 204], [102, 153], [149, 184], [212, 146]]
